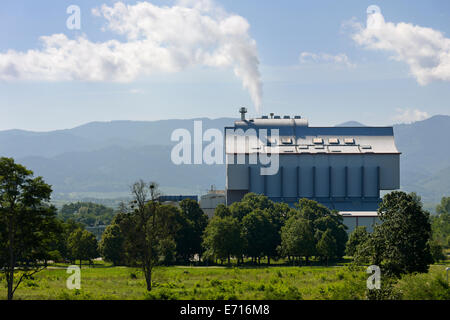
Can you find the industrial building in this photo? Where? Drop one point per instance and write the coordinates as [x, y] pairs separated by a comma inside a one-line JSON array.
[[343, 168], [210, 201]]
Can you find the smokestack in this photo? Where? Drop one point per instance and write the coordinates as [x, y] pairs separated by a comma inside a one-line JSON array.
[[243, 111]]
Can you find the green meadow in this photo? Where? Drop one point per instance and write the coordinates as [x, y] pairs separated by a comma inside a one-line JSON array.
[[106, 282]]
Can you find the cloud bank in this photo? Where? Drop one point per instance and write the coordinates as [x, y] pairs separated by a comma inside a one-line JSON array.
[[425, 50], [158, 39]]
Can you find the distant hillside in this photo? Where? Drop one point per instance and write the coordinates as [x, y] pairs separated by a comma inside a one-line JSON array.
[[106, 157], [351, 124], [425, 160], [97, 135]]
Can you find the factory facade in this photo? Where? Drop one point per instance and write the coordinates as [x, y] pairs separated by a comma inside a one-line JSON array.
[[343, 168]]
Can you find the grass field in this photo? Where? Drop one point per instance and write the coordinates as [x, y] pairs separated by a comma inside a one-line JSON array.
[[222, 283]]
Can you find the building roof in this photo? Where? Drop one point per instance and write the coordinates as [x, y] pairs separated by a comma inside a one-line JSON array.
[[359, 213], [297, 137]]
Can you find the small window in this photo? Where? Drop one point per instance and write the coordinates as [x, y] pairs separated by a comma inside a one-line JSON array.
[[286, 140], [318, 141], [303, 147], [319, 147], [349, 141], [366, 147], [271, 141], [333, 141]]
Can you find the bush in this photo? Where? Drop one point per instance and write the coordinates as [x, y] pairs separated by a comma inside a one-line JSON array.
[[424, 287], [161, 294], [386, 292], [281, 292]]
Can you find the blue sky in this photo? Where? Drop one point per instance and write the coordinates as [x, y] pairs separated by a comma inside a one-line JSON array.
[[379, 80]]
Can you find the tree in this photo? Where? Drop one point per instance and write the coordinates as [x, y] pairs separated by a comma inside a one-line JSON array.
[[87, 213], [335, 224], [28, 225], [111, 245], [358, 236], [222, 211], [259, 233], [82, 245], [444, 206], [297, 238], [436, 251], [324, 219], [440, 223], [192, 221], [223, 238], [327, 247], [147, 228], [60, 244], [401, 243], [250, 202]]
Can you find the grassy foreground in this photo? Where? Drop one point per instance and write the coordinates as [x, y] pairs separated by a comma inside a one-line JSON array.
[[207, 283]]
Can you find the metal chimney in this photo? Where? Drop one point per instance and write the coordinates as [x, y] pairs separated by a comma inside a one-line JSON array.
[[243, 111]]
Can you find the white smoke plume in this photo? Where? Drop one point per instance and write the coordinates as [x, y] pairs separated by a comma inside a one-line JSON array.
[[158, 39], [425, 50]]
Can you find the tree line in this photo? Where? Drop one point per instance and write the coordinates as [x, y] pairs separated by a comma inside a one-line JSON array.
[[145, 233]]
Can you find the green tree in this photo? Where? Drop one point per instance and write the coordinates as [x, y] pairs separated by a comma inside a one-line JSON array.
[[326, 246], [111, 245], [223, 238], [83, 245], [28, 225], [250, 202], [401, 243], [358, 236], [297, 238], [444, 206], [60, 243], [147, 228], [440, 223], [260, 234], [88, 213], [324, 219], [192, 221], [436, 251], [222, 211]]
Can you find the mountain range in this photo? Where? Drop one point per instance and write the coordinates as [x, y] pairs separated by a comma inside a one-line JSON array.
[[102, 159]]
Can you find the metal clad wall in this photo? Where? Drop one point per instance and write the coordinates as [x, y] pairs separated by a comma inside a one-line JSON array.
[[354, 180], [337, 164], [257, 180], [273, 188], [306, 176], [350, 222]]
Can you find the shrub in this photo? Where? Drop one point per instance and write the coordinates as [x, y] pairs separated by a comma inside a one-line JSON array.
[[282, 293], [161, 294], [424, 287]]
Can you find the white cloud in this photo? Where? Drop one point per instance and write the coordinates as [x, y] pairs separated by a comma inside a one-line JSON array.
[[339, 59], [425, 50], [159, 39], [409, 115]]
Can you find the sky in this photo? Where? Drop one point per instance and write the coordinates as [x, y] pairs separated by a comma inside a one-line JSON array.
[[376, 62]]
